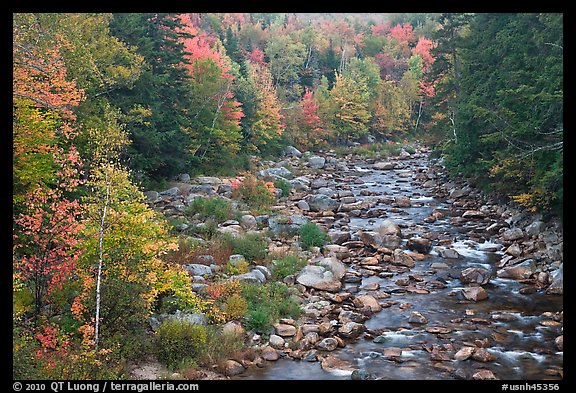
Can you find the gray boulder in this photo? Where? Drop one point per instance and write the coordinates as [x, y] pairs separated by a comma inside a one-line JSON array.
[[286, 226], [325, 275], [279, 173], [322, 202], [317, 162]]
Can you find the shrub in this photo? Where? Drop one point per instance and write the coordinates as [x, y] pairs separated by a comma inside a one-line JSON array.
[[311, 235], [267, 303], [235, 307], [251, 245], [286, 266], [180, 341], [239, 267], [255, 193], [284, 185], [216, 208]]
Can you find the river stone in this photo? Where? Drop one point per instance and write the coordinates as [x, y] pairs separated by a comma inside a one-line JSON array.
[[361, 375], [401, 201], [389, 227], [484, 375], [392, 352], [303, 205], [557, 286], [512, 234], [196, 269], [515, 272], [475, 293], [291, 150], [403, 259], [248, 221], [328, 344], [285, 330], [333, 364], [514, 249], [321, 202], [316, 162], [339, 237], [559, 341], [418, 318], [482, 355], [419, 244], [269, 353], [351, 329], [325, 275], [476, 275], [384, 166], [279, 173], [286, 225], [152, 196], [232, 367], [449, 253], [535, 228], [464, 353], [368, 301], [473, 214], [174, 191]]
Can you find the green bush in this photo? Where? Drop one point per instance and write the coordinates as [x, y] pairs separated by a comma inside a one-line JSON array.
[[311, 235], [251, 245], [286, 266], [267, 303], [216, 208], [284, 185], [180, 341]]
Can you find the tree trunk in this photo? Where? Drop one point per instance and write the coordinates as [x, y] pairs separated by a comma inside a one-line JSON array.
[[101, 258]]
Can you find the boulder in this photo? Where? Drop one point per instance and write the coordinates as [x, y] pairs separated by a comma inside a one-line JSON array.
[[276, 341], [475, 293], [268, 353], [419, 244], [233, 328], [389, 227], [464, 353], [248, 222], [196, 269], [183, 177], [320, 202], [232, 367], [291, 150], [316, 162], [351, 329], [518, 272], [328, 344], [286, 225], [325, 275], [417, 318], [368, 301], [476, 275], [278, 173], [557, 285], [512, 234], [285, 330], [384, 165]]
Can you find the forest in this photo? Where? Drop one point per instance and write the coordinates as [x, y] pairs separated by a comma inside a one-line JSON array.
[[108, 106]]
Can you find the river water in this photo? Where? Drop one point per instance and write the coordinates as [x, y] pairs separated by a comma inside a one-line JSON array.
[[516, 329]]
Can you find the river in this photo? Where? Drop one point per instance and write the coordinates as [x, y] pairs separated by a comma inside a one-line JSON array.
[[517, 330]]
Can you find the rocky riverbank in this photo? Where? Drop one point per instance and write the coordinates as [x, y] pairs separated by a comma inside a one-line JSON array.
[[401, 236]]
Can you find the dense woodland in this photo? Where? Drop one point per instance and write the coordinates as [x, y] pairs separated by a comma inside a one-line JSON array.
[[106, 106]]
